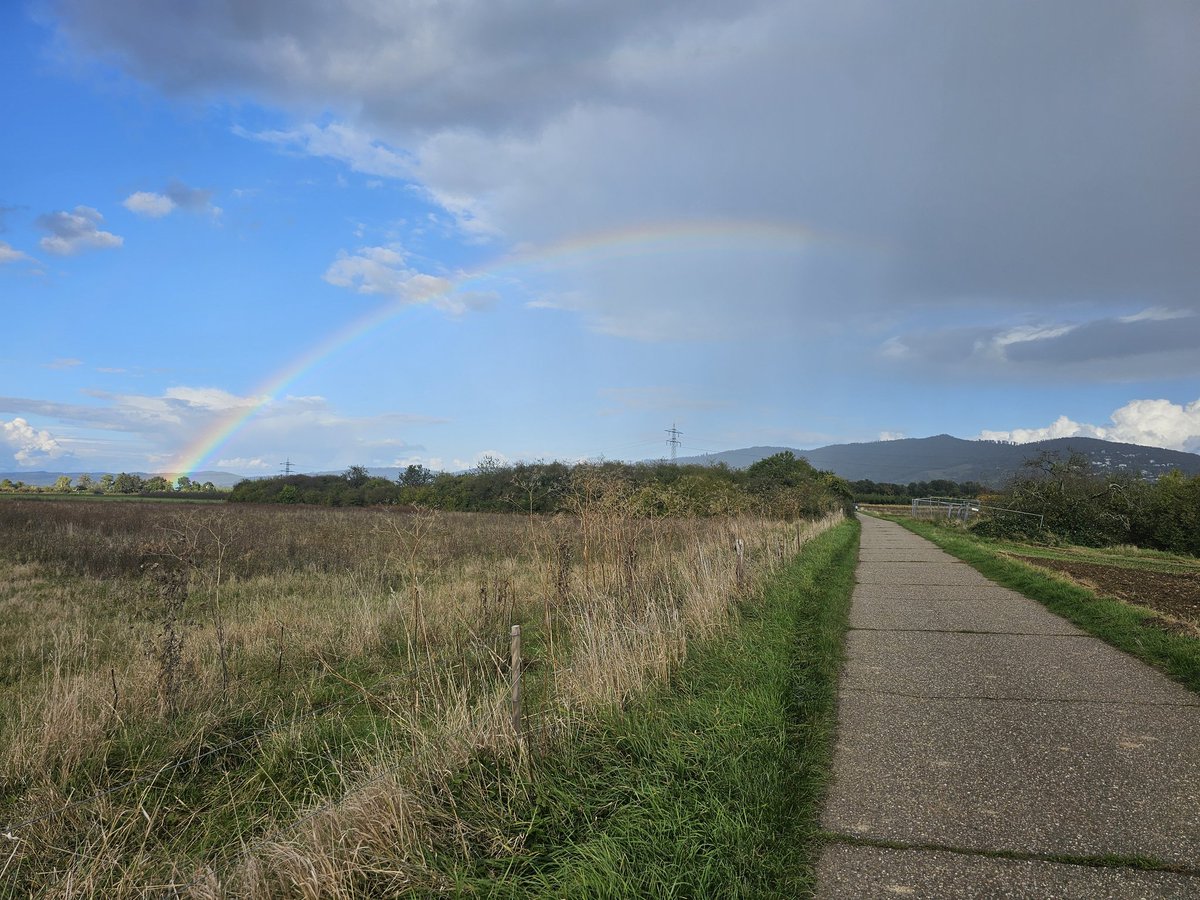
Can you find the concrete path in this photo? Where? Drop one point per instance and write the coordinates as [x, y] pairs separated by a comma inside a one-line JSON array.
[[983, 740]]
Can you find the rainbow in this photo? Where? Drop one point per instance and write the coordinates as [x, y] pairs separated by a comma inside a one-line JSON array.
[[640, 240]]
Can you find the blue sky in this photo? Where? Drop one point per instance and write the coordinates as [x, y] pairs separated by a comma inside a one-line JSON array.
[[778, 223]]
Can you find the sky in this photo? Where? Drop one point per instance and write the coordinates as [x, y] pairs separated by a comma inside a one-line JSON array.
[[373, 233]]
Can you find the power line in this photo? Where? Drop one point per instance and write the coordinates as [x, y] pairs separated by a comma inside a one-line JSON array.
[[673, 440]]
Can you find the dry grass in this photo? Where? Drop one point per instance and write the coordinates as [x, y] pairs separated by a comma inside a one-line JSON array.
[[137, 641]]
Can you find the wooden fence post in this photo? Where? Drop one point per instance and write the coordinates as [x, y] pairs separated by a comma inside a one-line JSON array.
[[515, 674], [741, 562]]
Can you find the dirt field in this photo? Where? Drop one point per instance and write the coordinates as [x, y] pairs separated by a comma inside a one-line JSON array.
[[1177, 596]]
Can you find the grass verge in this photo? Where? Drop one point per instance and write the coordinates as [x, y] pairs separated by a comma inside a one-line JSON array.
[[1126, 627], [710, 786]]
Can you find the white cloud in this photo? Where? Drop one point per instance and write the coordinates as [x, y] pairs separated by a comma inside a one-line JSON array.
[[892, 435], [71, 232], [163, 426], [214, 399], [384, 271], [1154, 423], [146, 203], [341, 142], [176, 195], [243, 464], [10, 254], [30, 445], [483, 457]]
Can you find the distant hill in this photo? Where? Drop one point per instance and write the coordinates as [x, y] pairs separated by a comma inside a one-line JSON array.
[[946, 457], [46, 479]]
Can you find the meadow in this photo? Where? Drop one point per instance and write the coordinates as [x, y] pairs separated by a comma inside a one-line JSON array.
[[242, 700]]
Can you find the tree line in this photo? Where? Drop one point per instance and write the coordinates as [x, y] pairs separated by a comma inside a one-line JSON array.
[[781, 485], [121, 483], [1093, 508], [867, 491]]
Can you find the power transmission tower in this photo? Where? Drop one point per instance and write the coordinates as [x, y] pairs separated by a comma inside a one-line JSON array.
[[673, 440], [287, 466]]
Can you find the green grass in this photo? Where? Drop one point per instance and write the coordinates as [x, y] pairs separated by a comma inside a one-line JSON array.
[[710, 786], [1126, 627], [1123, 557]]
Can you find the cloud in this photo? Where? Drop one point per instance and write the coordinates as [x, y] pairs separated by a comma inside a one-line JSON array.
[[357, 149], [64, 362], [9, 254], [148, 204], [384, 271], [243, 464], [1027, 156], [30, 446], [176, 195], [1154, 423], [1109, 348], [892, 435], [71, 232], [306, 428]]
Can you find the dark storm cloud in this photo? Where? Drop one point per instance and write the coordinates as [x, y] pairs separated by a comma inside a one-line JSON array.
[[1109, 339], [1107, 348], [1026, 155]]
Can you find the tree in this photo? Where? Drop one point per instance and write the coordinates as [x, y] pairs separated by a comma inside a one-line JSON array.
[[183, 483], [157, 483], [127, 484], [84, 483], [356, 476], [415, 476], [1076, 503], [62, 484], [106, 482]]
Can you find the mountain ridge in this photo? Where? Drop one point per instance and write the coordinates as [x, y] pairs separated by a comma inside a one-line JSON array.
[[944, 456]]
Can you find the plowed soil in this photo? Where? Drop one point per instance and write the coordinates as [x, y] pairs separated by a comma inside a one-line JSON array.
[[1175, 595]]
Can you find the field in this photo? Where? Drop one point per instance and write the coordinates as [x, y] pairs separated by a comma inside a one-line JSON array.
[[231, 701]]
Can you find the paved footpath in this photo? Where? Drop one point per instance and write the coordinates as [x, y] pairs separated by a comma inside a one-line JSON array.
[[983, 739]]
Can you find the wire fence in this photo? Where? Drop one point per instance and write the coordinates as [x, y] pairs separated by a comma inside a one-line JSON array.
[[526, 733], [964, 509]]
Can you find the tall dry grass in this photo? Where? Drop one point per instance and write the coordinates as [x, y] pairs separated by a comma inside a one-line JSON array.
[[138, 641]]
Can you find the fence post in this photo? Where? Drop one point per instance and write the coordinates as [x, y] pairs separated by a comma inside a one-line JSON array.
[[741, 562], [515, 674]]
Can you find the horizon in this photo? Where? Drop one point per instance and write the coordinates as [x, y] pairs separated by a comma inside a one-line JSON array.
[[686, 459], [438, 235]]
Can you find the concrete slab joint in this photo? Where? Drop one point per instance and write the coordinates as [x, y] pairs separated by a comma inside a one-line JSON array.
[[989, 748]]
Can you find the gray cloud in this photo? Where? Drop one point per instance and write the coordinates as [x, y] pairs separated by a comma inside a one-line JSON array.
[[1155, 341], [176, 195], [1029, 155], [428, 65], [71, 232]]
